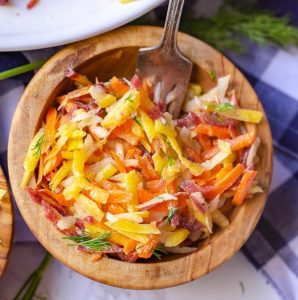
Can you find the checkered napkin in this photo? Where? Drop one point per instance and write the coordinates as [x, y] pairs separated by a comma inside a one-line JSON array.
[[273, 247]]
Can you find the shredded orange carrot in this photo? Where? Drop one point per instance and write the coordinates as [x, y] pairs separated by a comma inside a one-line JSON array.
[[213, 131], [119, 196], [204, 141], [52, 163], [109, 185], [147, 250], [57, 197], [144, 195], [243, 187], [173, 186], [114, 208], [146, 168], [242, 141], [225, 183], [50, 129], [156, 186], [209, 153], [194, 154], [118, 87], [119, 162]]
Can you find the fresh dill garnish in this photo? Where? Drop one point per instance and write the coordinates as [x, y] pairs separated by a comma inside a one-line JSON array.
[[37, 147], [159, 251], [129, 98], [94, 244], [171, 161], [137, 120], [171, 214], [233, 22], [212, 75], [223, 107]]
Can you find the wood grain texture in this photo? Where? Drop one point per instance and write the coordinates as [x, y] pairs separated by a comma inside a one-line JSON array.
[[111, 54], [6, 224]]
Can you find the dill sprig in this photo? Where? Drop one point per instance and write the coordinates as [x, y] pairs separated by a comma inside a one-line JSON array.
[[93, 244], [171, 161], [222, 107], [159, 251], [37, 147], [171, 214], [232, 23], [138, 121]]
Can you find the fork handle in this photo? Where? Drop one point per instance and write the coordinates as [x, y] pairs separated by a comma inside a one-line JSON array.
[[169, 39]]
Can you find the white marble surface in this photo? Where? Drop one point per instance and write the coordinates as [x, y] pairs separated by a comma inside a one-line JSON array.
[[61, 283]]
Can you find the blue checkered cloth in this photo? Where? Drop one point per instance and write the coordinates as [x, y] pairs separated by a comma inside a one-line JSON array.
[[273, 247]]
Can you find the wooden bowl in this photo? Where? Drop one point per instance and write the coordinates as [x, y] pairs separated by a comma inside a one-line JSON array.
[[6, 224], [111, 54]]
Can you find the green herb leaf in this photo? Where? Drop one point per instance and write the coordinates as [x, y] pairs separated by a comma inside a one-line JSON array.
[[22, 69], [94, 244], [171, 214], [38, 145], [233, 22], [129, 98], [138, 121], [171, 161], [28, 289], [212, 75], [159, 251], [214, 107], [224, 107]]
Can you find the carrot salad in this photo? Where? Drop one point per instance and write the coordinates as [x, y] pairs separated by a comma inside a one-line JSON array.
[[119, 177]]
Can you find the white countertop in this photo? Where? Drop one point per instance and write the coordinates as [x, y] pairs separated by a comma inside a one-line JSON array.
[[236, 279]]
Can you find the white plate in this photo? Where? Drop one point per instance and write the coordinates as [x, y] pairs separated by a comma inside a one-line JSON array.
[[58, 22]]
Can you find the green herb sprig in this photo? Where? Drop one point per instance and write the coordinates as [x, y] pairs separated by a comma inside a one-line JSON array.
[[22, 69], [159, 251], [212, 75], [27, 291], [171, 214], [171, 161], [222, 107], [138, 121], [37, 147], [93, 244], [233, 22]]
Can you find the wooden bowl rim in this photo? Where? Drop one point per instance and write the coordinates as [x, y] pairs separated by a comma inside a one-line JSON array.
[[78, 53], [6, 218]]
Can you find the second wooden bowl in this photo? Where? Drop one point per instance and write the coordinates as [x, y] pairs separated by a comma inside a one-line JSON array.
[[111, 54], [6, 224]]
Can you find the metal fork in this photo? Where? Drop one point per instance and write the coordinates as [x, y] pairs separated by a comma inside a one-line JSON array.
[[166, 63]]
